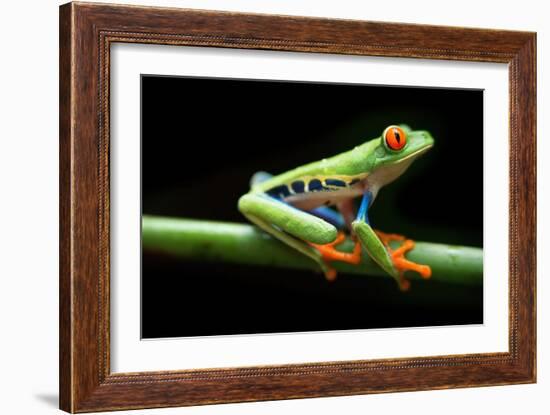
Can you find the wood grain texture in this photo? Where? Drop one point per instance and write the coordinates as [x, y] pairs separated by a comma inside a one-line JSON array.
[[65, 248], [86, 33]]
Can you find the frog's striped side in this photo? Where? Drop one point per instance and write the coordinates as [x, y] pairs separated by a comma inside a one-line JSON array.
[[309, 192], [313, 184]]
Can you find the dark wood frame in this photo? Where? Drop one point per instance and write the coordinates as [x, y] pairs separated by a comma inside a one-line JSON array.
[[86, 33]]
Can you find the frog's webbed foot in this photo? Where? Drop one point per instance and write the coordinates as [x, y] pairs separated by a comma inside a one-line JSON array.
[[330, 253], [401, 263]]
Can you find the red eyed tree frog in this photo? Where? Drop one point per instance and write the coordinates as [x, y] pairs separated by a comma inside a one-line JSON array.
[[294, 206]]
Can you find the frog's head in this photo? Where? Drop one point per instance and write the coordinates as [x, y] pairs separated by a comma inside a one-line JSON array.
[[395, 150]]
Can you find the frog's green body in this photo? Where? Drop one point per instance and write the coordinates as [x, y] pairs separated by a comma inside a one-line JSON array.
[[292, 206]]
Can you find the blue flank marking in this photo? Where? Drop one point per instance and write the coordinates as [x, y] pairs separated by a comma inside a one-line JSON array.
[[298, 186], [362, 214], [279, 192], [335, 182], [330, 215], [315, 185]]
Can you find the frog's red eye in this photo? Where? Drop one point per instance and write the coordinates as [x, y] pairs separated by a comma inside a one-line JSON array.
[[395, 138]]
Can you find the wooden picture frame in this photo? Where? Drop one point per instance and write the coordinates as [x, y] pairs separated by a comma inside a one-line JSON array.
[[86, 33]]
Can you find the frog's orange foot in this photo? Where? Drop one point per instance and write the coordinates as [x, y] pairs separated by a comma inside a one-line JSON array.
[[330, 253], [401, 263]]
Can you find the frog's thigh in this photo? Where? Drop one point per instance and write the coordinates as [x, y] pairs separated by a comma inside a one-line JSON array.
[[296, 222]]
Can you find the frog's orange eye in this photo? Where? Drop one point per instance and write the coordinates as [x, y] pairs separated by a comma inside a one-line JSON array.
[[395, 138]]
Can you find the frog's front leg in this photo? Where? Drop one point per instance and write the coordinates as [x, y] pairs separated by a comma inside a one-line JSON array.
[[377, 244], [292, 226]]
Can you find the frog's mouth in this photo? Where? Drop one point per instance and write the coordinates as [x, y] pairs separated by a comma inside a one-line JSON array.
[[387, 174], [416, 153]]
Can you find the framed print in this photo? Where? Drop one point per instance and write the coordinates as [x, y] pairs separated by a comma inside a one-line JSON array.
[[258, 207]]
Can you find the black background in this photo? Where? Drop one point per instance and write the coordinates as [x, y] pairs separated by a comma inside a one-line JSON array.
[[202, 139]]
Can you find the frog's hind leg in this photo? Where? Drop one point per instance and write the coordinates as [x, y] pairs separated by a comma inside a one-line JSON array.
[[290, 225], [330, 273]]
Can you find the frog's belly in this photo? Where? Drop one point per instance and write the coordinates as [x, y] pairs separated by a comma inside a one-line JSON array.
[[312, 200]]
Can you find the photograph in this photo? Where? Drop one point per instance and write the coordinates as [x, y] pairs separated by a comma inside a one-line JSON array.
[[277, 206]]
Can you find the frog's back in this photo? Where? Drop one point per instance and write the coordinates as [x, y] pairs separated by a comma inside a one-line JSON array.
[[349, 164]]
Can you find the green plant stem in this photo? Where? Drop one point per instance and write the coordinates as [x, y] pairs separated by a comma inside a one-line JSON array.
[[238, 243]]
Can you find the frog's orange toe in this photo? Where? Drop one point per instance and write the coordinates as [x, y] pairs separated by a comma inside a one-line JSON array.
[[330, 274]]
